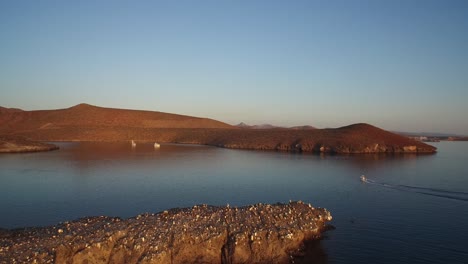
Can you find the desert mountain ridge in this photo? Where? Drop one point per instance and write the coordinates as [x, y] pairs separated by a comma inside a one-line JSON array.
[[86, 115], [270, 126], [9, 110], [85, 122]]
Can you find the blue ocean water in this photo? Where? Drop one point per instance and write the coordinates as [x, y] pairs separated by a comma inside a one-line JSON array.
[[412, 208]]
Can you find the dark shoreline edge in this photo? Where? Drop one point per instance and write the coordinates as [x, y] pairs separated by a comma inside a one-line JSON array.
[[260, 233], [149, 143], [354, 139]]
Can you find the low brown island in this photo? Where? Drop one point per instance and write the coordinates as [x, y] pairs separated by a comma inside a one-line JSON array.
[[92, 123], [457, 139], [260, 233], [21, 145]]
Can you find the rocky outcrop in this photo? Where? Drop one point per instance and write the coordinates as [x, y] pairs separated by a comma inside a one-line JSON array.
[[260, 233], [16, 145]]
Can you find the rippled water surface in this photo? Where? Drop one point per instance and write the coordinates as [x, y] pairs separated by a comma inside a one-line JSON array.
[[412, 209]]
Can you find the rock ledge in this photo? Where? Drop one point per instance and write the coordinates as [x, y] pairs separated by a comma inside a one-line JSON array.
[[260, 233]]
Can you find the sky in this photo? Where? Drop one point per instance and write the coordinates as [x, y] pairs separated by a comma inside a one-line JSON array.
[[401, 65]]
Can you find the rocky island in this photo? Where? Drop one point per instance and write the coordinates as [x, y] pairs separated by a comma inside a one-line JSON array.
[[92, 123], [260, 233]]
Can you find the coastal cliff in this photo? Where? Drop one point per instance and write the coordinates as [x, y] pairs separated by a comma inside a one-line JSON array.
[[260, 233]]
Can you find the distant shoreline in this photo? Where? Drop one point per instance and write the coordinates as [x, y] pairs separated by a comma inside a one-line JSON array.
[[92, 123], [355, 139], [10, 144]]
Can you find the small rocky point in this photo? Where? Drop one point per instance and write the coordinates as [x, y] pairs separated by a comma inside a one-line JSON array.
[[260, 233], [9, 144]]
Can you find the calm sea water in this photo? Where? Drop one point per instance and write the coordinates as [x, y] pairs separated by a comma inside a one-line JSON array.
[[414, 209]]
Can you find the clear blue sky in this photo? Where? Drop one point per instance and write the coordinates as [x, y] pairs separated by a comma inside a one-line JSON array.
[[400, 65]]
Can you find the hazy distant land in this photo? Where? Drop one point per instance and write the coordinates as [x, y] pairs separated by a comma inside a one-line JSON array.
[[269, 126], [85, 122]]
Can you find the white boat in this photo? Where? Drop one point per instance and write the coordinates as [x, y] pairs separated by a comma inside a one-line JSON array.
[[363, 178], [133, 144], [156, 145]]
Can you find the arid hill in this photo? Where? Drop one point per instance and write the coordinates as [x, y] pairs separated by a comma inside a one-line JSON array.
[[84, 115], [9, 110], [91, 123]]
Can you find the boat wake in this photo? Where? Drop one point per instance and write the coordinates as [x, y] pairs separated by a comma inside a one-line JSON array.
[[454, 195]]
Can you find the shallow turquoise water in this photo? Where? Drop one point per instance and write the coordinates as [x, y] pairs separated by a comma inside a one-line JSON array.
[[400, 216]]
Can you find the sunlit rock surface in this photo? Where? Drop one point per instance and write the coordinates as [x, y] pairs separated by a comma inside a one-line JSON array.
[[260, 233]]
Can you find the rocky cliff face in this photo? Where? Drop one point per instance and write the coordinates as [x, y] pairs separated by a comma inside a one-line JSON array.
[[202, 234]]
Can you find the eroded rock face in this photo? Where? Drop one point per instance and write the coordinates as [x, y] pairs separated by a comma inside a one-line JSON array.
[[202, 234]]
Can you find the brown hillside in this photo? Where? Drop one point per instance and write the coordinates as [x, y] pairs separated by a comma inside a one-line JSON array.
[[91, 123], [84, 115], [9, 110]]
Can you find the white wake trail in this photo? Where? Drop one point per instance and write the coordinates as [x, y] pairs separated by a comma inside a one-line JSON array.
[[454, 195]]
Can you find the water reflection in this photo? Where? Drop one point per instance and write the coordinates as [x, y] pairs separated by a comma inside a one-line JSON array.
[[93, 153], [124, 150], [87, 156], [313, 253], [373, 223]]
